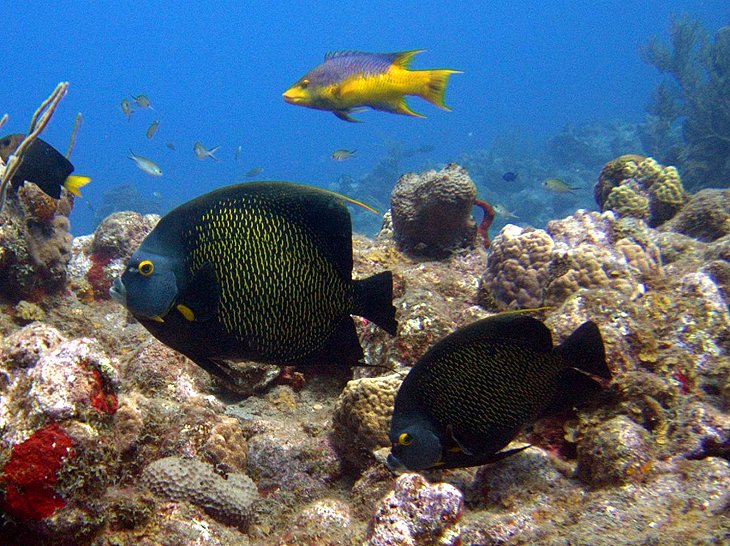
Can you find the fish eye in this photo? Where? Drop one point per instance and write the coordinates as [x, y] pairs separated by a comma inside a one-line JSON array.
[[304, 84], [145, 268], [405, 439]]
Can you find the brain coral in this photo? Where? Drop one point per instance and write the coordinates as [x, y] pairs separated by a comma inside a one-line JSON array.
[[362, 415], [431, 212], [227, 499], [640, 187]]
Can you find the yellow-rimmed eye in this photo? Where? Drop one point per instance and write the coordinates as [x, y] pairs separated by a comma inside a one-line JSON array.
[[145, 268], [405, 439], [304, 84]]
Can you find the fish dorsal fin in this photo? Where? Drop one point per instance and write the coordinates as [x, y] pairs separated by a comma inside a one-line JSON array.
[[404, 58], [347, 53], [526, 331]]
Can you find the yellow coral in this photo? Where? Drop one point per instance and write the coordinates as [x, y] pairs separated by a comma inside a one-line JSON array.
[[668, 188], [624, 201], [26, 311]]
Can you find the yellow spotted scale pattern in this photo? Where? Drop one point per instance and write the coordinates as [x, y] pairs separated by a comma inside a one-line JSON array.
[[261, 257], [488, 384]]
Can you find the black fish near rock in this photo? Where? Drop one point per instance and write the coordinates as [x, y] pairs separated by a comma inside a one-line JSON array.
[[258, 271], [473, 391], [43, 165]]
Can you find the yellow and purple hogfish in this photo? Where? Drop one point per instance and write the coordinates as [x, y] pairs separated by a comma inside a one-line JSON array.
[[349, 80]]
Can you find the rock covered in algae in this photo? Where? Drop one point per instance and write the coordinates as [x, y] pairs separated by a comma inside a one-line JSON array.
[[35, 244], [705, 217], [417, 513], [614, 452], [228, 498], [431, 212]]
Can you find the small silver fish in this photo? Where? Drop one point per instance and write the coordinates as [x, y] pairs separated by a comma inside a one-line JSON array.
[[152, 129], [503, 211], [251, 173], [237, 153], [170, 146], [126, 108], [142, 101], [556, 185], [342, 154], [145, 165], [201, 152]]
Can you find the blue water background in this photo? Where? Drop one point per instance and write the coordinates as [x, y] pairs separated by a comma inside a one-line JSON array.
[[215, 73]]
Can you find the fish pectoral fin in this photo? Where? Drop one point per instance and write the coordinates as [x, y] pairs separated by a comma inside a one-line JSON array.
[[344, 115], [460, 443], [504, 454], [199, 302], [73, 182]]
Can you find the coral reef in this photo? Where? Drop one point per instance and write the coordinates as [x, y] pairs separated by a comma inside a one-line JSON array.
[[695, 96], [111, 411], [226, 498], [638, 187], [432, 211]]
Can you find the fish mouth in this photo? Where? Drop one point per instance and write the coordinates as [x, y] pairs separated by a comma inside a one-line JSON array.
[[291, 99], [394, 465], [118, 292]]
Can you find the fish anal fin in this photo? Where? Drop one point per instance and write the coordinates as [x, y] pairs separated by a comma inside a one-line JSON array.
[[344, 115], [374, 300], [575, 388], [342, 348], [396, 106]]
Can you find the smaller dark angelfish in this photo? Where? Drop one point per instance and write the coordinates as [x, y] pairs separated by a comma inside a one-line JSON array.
[[509, 176], [473, 391], [43, 165]]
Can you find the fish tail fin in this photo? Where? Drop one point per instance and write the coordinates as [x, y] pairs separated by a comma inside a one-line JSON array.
[[585, 357], [435, 87], [212, 151], [374, 300], [584, 350], [73, 182]]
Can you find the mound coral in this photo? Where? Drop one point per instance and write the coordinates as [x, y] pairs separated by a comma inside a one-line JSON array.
[[529, 268], [431, 212], [638, 187], [362, 415]]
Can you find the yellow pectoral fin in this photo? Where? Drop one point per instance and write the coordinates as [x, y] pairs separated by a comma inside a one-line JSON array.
[[186, 312], [158, 318], [74, 182]]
